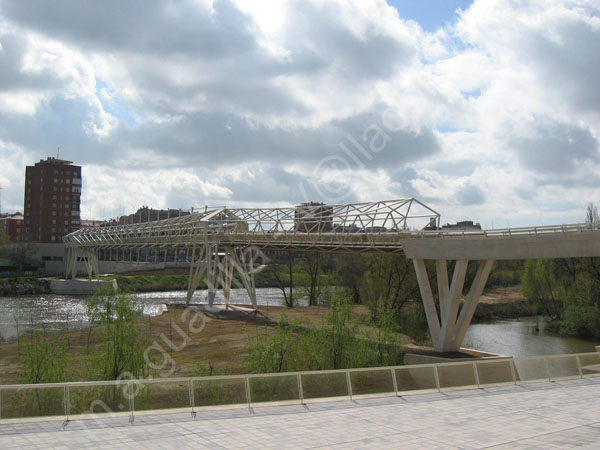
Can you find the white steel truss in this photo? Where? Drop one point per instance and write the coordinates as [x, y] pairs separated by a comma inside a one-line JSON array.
[[216, 241]]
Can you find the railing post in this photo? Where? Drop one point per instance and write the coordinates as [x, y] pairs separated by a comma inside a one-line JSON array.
[[191, 394], [394, 381], [131, 403], [579, 366], [247, 388], [476, 372], [300, 390], [349, 384], [547, 369], [513, 370], [67, 401], [437, 378]]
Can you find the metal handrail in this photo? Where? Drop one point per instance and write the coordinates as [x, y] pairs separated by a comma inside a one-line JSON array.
[[351, 392]]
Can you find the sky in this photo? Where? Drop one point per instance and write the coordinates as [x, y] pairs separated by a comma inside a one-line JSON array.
[[485, 110]]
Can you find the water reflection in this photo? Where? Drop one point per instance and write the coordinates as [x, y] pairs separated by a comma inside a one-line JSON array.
[[522, 337]]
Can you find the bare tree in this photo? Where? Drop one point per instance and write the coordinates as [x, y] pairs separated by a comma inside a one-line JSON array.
[[591, 214], [285, 282]]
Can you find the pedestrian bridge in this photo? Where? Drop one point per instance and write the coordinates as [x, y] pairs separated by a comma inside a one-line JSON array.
[[220, 241]]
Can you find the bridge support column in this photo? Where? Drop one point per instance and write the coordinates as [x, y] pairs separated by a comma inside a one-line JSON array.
[[246, 275], [226, 276], [448, 329], [88, 257]]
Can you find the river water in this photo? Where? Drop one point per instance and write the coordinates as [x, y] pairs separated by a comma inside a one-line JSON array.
[[515, 337], [522, 337], [61, 312]]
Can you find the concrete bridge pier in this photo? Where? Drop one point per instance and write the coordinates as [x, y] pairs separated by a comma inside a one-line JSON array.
[[448, 328]]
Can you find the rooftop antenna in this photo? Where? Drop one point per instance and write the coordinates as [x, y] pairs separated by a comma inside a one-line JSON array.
[[57, 152]]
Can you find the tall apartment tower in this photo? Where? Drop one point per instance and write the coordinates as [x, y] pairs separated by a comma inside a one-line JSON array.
[[52, 200]]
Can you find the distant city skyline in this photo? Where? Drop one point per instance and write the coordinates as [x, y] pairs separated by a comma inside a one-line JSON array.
[[485, 110]]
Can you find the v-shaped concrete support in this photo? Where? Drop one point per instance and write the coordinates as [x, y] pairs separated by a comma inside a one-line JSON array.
[[448, 329]]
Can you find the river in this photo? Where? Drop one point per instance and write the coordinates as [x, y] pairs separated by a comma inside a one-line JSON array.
[[522, 337], [61, 312], [515, 337]]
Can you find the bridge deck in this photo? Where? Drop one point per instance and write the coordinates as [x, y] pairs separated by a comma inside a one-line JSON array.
[[545, 415]]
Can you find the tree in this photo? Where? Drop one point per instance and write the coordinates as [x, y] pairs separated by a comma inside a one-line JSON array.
[[284, 279], [390, 282], [42, 359], [541, 287], [310, 268], [591, 214], [350, 272], [123, 342]]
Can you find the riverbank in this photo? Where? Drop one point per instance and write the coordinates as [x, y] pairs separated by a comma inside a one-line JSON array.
[[220, 343], [503, 303], [24, 286]]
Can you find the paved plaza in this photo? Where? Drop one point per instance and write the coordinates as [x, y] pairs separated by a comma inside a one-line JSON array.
[[545, 415]]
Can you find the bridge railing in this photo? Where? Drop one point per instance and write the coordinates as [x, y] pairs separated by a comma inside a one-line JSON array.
[[309, 219], [98, 399], [503, 232]]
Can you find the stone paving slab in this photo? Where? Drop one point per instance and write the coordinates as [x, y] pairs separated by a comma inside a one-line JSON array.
[[562, 414]]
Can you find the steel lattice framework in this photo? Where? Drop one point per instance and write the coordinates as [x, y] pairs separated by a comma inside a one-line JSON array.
[[216, 241], [372, 227]]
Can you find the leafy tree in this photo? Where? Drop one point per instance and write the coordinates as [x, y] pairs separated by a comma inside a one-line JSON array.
[[310, 271], [42, 357], [541, 287], [390, 282], [124, 344], [351, 269]]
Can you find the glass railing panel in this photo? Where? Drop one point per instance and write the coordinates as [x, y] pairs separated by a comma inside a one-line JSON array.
[[32, 402], [168, 395], [456, 375], [590, 364], [229, 391], [372, 382], [563, 367], [415, 378], [530, 369], [323, 385], [495, 372], [99, 399], [274, 388]]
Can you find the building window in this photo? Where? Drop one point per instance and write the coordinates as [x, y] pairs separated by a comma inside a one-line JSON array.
[[66, 222], [68, 181], [54, 213], [54, 205], [56, 180], [54, 197], [54, 189], [52, 238], [53, 221], [67, 190]]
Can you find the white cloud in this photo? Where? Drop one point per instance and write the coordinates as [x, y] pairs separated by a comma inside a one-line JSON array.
[[495, 117]]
